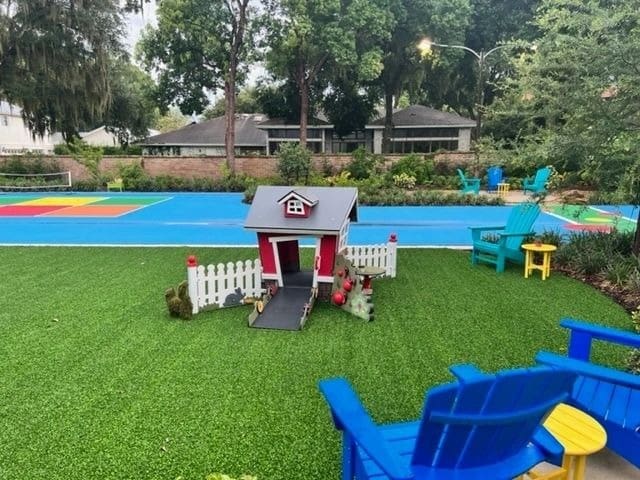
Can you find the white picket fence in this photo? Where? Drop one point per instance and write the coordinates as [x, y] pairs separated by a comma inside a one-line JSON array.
[[215, 285], [382, 256]]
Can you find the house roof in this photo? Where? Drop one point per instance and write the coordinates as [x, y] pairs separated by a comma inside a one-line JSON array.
[[211, 133], [421, 116], [302, 194], [281, 122], [335, 205]]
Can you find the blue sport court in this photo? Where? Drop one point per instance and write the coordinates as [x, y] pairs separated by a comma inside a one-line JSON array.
[[216, 219]]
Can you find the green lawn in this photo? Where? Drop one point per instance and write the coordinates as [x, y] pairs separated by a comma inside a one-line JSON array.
[[96, 381]]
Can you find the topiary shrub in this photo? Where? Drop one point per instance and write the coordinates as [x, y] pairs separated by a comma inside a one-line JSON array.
[[178, 303], [294, 163]]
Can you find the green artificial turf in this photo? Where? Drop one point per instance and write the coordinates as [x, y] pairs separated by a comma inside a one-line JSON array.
[[96, 381]]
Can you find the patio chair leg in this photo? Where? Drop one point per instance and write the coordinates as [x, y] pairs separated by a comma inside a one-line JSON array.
[[500, 264], [474, 257]]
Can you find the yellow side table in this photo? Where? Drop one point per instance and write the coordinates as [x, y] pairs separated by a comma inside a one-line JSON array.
[[530, 265], [503, 189], [579, 434]]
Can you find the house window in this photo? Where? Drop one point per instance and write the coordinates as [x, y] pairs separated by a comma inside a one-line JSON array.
[[295, 207], [4, 121]]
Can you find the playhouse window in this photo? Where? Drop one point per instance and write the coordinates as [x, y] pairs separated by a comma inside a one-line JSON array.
[[295, 207]]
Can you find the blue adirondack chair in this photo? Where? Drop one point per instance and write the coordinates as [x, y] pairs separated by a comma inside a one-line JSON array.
[[480, 427], [494, 177], [469, 185], [610, 396], [537, 184], [519, 225]]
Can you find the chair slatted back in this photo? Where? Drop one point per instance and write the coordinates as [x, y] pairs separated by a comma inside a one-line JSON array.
[[487, 419], [521, 219], [542, 176]]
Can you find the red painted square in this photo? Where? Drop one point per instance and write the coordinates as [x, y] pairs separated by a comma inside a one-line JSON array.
[[27, 210]]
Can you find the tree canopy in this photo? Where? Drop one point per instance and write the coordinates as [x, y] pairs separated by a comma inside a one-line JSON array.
[[55, 57], [575, 101]]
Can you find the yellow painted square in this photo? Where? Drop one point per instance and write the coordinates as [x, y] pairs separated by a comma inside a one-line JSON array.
[[62, 201]]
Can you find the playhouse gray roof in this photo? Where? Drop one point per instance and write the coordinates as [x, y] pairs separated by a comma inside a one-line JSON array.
[[421, 116], [334, 205], [211, 133]]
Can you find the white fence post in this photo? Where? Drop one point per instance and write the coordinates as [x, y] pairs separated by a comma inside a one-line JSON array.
[[392, 255], [192, 280]]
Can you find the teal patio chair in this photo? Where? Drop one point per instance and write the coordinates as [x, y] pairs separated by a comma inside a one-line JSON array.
[[537, 184], [480, 427], [510, 237], [469, 185]]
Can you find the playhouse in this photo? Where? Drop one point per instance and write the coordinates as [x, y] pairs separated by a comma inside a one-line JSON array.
[[281, 288], [283, 216]]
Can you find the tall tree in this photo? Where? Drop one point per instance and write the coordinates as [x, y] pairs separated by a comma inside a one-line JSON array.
[[55, 57], [577, 98], [246, 102], [452, 76], [415, 19], [337, 36], [200, 47], [132, 110]]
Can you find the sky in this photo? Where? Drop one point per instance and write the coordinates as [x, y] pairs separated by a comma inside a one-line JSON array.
[[137, 21]]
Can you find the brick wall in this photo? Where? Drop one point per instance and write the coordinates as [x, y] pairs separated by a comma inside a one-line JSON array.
[[190, 167]]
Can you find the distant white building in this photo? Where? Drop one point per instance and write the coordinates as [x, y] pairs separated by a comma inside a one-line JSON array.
[[100, 137], [15, 137]]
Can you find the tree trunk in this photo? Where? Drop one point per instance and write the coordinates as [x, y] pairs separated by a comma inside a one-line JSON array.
[[388, 123], [636, 240], [303, 86], [230, 119]]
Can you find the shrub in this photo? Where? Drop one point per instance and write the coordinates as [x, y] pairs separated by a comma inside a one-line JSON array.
[[294, 163], [29, 164], [590, 252], [619, 270], [396, 196], [404, 181], [414, 165], [364, 164]]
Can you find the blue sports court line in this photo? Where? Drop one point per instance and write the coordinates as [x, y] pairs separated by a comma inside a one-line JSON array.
[[216, 219]]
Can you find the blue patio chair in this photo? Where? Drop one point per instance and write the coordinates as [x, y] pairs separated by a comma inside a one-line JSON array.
[[494, 177], [610, 396], [510, 237], [469, 185], [480, 427], [537, 184]]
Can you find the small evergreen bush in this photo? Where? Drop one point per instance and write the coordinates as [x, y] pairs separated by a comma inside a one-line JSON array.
[[294, 163]]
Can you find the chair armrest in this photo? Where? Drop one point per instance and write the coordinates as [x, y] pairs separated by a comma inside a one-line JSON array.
[[517, 234], [349, 415], [588, 369], [549, 445], [473, 180], [482, 229], [583, 333], [466, 372]]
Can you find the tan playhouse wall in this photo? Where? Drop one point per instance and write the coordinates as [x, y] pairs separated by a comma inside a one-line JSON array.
[[212, 167]]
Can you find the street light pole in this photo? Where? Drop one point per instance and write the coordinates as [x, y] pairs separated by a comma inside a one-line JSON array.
[[481, 57]]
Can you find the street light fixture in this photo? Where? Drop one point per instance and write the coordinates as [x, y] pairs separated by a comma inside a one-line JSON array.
[[425, 46]]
